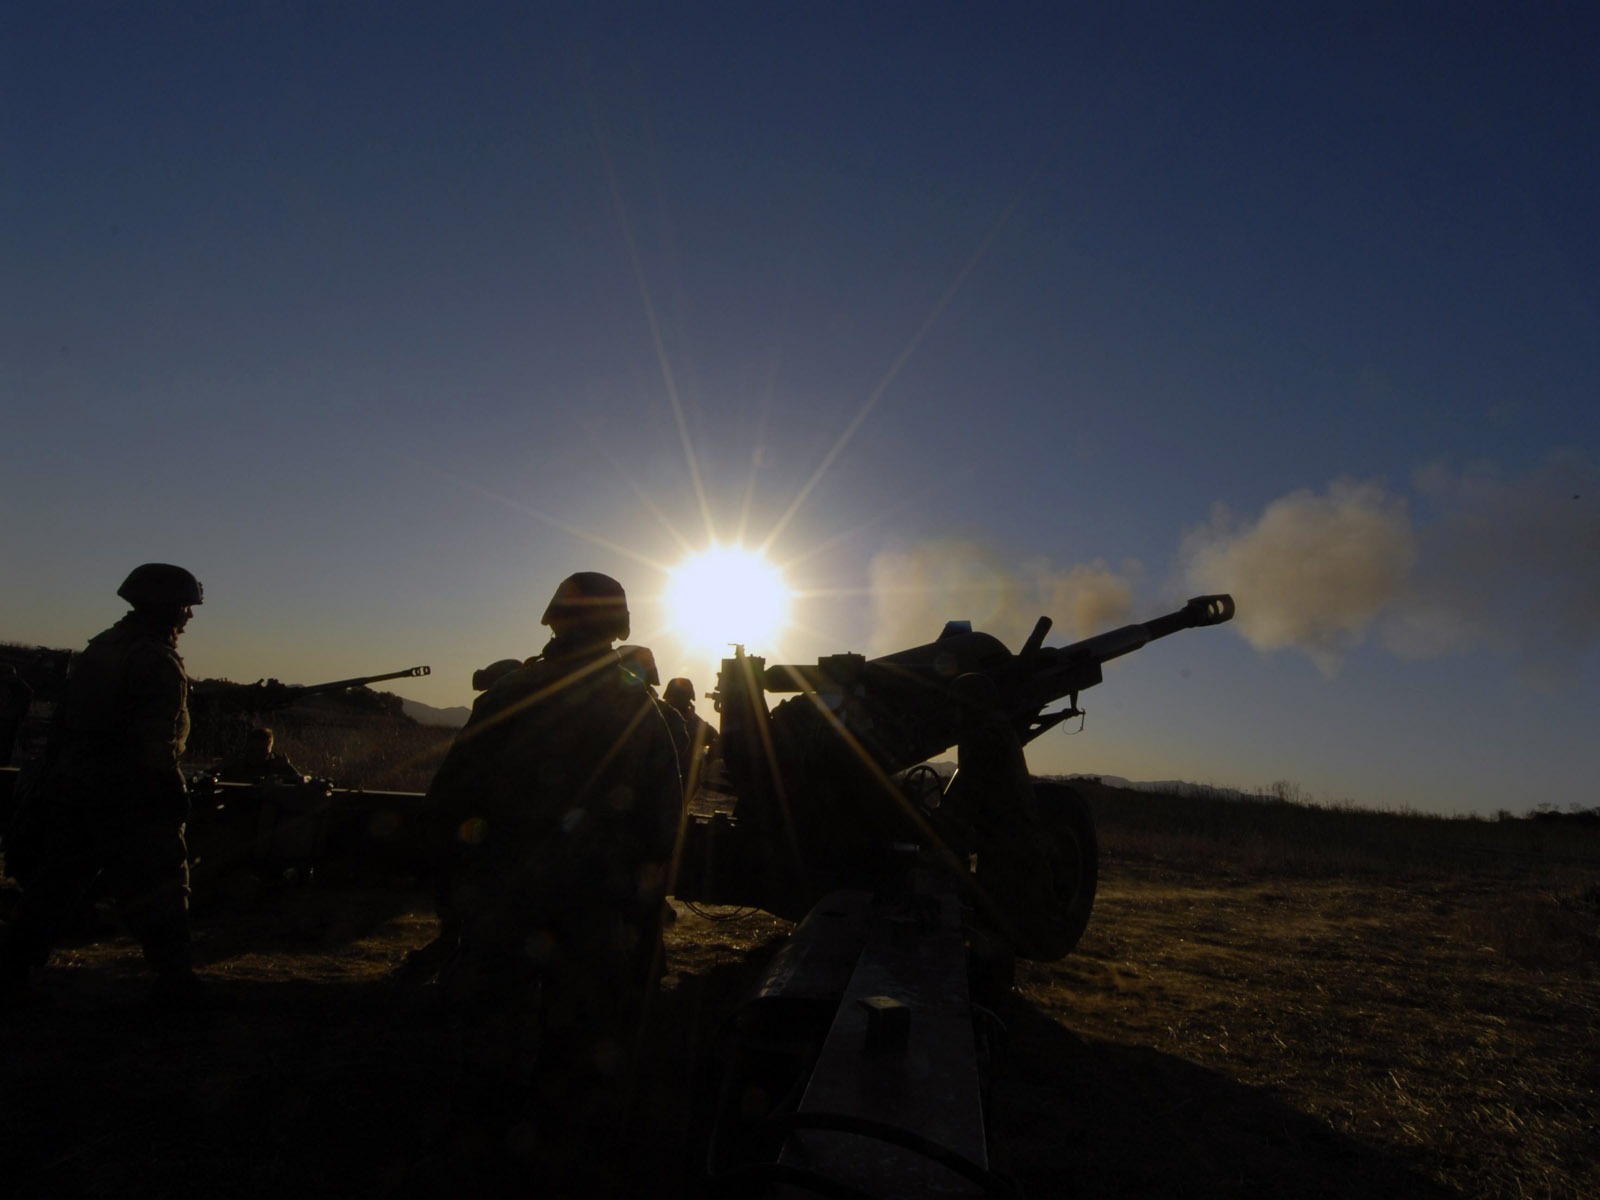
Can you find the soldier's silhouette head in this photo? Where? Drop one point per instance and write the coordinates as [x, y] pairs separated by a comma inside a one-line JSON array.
[[163, 592], [588, 606], [640, 663], [679, 693]]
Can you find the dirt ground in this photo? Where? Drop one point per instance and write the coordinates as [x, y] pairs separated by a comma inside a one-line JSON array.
[[1215, 1035]]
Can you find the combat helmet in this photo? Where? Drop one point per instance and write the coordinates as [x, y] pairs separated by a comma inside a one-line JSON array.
[[679, 693], [161, 585], [586, 604], [640, 663]]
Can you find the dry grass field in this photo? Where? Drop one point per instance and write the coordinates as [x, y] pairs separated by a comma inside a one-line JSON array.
[[1271, 1000]]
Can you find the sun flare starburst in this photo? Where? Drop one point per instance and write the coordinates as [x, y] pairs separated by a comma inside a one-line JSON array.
[[727, 594]]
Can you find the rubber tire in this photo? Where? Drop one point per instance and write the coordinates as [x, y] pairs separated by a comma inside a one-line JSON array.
[[1076, 863]]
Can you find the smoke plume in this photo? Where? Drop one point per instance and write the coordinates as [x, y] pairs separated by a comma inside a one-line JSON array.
[[917, 589], [1512, 565], [1312, 572]]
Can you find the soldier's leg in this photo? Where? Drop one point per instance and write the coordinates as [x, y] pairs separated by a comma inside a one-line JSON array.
[[150, 880], [588, 1009], [491, 986]]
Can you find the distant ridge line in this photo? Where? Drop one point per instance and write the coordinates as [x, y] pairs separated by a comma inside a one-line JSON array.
[[427, 714]]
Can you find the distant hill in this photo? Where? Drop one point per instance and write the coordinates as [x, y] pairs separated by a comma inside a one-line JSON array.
[[1162, 787], [427, 714]]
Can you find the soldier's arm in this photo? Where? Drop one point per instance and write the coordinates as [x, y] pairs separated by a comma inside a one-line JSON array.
[[469, 767], [662, 787], [156, 693]]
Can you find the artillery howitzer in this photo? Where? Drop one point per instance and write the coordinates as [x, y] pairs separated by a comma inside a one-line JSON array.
[[868, 1042], [268, 695], [273, 820], [222, 714], [276, 822]]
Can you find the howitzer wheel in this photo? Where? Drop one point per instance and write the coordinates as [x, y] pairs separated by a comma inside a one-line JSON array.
[[1075, 861], [1041, 886]]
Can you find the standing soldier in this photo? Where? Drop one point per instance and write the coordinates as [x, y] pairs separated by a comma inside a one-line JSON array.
[[702, 735], [108, 799], [557, 810], [640, 662]]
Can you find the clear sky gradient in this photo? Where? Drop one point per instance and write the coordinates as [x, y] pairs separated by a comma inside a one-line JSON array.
[[382, 318]]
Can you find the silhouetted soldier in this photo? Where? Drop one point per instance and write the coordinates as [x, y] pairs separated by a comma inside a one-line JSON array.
[[557, 810], [701, 735], [256, 762], [15, 696], [108, 804], [640, 662], [422, 964]]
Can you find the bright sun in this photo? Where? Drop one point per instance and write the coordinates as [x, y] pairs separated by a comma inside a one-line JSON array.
[[725, 595]]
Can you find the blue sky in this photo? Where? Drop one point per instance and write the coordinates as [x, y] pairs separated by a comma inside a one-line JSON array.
[[383, 318]]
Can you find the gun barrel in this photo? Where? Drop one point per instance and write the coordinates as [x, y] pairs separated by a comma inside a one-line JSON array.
[[272, 695], [1201, 610], [1103, 647], [338, 685]]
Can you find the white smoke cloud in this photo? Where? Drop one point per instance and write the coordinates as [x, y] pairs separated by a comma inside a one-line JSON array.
[[917, 589], [1312, 572], [1512, 565], [1467, 560]]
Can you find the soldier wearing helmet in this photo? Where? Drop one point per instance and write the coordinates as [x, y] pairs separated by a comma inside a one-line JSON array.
[[556, 813], [588, 607], [679, 693], [640, 662], [107, 803]]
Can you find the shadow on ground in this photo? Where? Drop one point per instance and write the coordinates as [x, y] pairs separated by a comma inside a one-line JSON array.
[[1097, 1119], [351, 1088], [312, 1088]]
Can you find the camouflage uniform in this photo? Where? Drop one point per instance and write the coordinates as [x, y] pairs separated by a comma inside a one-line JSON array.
[[109, 803], [557, 811]]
